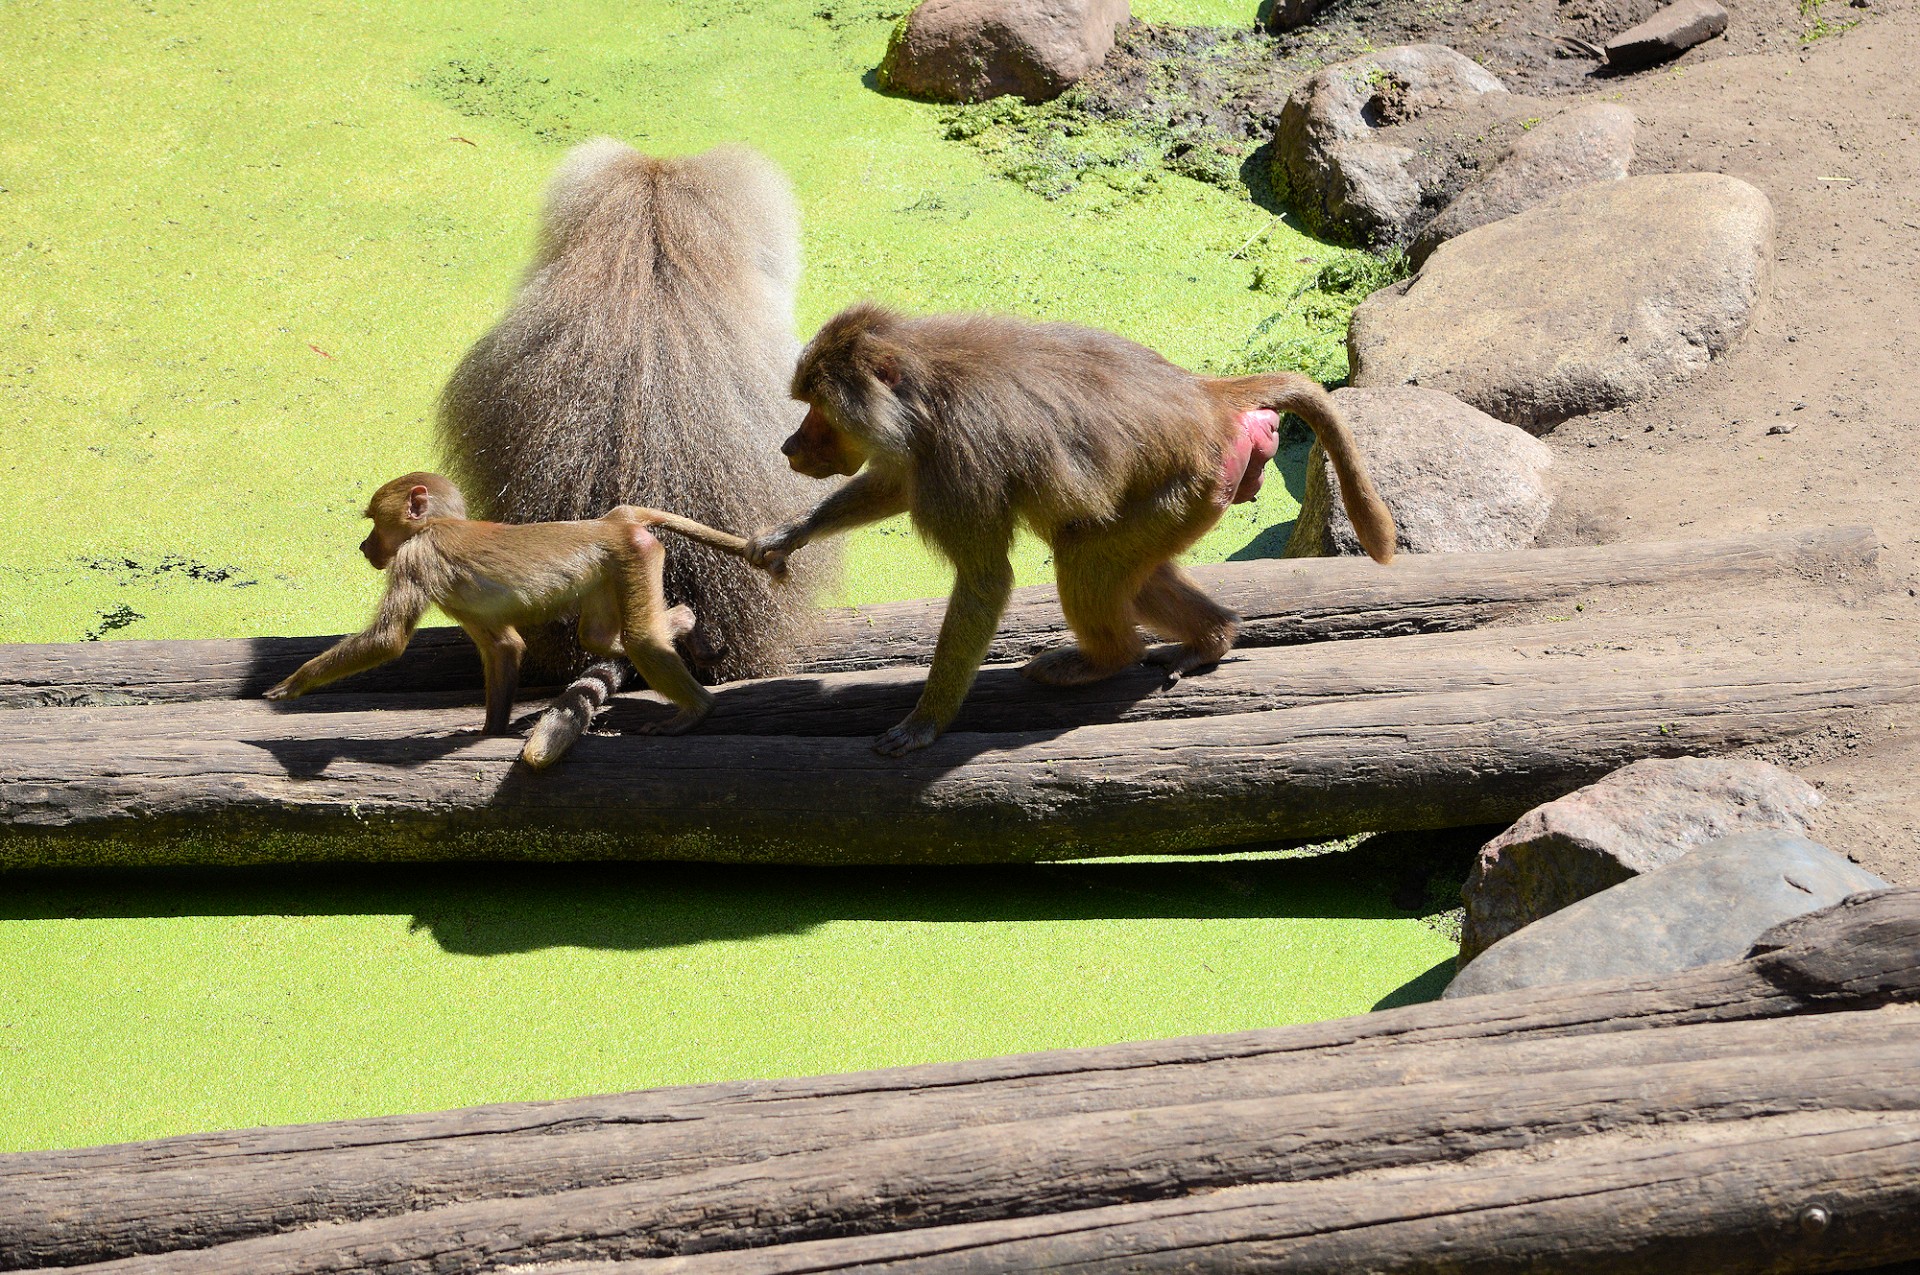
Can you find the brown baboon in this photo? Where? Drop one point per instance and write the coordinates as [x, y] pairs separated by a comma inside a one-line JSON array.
[[645, 361], [493, 579], [1117, 458]]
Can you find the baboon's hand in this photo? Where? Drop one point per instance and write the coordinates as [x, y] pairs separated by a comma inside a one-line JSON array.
[[769, 551], [913, 733], [291, 688]]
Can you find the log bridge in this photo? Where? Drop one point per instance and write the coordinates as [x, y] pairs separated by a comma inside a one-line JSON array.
[[1760, 1115], [1443, 691]]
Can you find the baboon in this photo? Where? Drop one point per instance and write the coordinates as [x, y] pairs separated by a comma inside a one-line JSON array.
[[645, 361], [973, 424], [494, 579]]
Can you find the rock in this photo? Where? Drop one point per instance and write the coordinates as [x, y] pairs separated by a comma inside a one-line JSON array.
[[1457, 480], [1637, 819], [971, 50], [1290, 15], [1587, 302], [1667, 34], [1710, 906], [1341, 176], [1587, 144]]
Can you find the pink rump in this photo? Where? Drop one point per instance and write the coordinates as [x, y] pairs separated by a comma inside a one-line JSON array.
[[1243, 462]]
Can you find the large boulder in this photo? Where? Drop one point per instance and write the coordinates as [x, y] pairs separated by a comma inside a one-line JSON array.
[[1710, 906], [1338, 155], [1585, 303], [1457, 480], [1586, 144], [1639, 818], [971, 50]]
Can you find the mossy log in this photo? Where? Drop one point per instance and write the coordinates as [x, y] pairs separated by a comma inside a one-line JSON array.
[[1283, 601], [1756, 1115]]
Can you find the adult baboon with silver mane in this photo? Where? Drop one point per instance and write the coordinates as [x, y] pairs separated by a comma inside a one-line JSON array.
[[646, 361]]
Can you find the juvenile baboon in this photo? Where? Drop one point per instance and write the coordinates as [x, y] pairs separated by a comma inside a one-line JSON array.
[[645, 361], [1120, 460], [495, 579]]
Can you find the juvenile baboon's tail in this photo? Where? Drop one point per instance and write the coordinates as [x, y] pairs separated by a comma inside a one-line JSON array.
[[698, 532], [1304, 397]]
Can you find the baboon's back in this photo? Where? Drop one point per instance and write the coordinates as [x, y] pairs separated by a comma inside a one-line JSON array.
[[645, 361]]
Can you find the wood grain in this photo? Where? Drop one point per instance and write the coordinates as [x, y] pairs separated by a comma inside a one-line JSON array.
[[1677, 1124], [1481, 732], [1283, 601]]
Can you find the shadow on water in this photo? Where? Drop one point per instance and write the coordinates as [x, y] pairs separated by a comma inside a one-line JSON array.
[[1256, 172], [492, 909], [1420, 989], [1290, 466]]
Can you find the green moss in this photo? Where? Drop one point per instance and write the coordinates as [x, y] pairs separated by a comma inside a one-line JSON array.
[[1309, 332], [244, 244]]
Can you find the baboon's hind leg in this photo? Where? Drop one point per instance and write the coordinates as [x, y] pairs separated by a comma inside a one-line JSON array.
[[1096, 581], [1175, 607]]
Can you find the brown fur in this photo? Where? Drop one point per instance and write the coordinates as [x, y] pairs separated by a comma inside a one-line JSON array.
[[974, 424], [645, 361], [495, 579]]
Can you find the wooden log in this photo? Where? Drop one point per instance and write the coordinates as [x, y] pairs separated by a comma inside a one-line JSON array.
[[865, 703], [1782, 1194], [1744, 1058], [1480, 740], [1283, 602]]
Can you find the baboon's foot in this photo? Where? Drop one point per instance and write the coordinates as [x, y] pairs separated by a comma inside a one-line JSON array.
[[1179, 659], [1066, 666], [679, 724]]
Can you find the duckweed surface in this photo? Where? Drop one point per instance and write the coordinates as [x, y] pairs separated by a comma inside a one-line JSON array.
[[244, 243]]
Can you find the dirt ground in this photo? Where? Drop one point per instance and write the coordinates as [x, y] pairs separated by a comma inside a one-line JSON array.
[[1813, 419], [1828, 130]]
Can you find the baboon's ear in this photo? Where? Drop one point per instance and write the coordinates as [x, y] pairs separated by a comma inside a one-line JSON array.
[[417, 501], [883, 360]]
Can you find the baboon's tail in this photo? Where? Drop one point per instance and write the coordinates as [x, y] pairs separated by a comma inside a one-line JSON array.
[[698, 532], [572, 711], [1304, 397]]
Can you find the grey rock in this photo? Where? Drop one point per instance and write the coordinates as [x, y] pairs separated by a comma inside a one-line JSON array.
[[1588, 302], [1341, 175], [1587, 144], [1291, 15], [1710, 906], [1666, 35], [1639, 818], [971, 50], [1457, 480]]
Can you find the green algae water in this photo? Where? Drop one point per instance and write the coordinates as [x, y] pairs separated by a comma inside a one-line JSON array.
[[244, 244]]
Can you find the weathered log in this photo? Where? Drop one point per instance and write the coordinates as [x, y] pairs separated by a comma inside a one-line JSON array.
[[1763, 1200], [1476, 739], [1283, 601], [865, 703], [1642, 1112]]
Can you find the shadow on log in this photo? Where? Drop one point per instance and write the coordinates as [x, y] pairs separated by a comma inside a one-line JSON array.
[[1283, 601], [1477, 738], [1759, 1115], [1442, 729]]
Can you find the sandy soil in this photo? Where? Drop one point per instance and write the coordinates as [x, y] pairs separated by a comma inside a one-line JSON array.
[[1813, 419], [1828, 130]]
